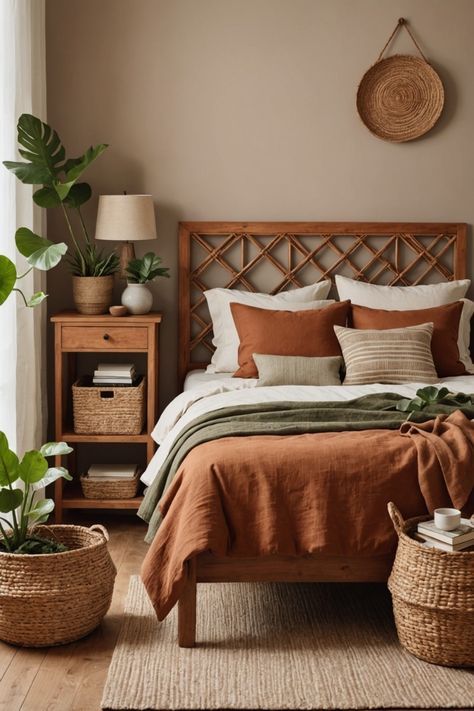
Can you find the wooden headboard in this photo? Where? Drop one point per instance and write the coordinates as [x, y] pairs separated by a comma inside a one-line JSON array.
[[275, 256]]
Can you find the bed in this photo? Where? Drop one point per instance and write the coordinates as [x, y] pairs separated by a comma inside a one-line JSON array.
[[247, 256]]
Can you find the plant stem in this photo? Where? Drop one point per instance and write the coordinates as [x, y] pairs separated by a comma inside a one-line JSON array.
[[5, 539], [83, 224], [19, 291], [68, 222], [24, 273]]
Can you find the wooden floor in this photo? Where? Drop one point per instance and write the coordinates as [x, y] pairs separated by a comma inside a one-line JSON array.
[[72, 677]]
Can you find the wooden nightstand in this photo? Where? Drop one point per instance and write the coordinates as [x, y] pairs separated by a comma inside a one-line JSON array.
[[74, 334]]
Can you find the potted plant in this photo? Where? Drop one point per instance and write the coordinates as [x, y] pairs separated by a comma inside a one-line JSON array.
[[137, 297], [46, 164], [48, 593]]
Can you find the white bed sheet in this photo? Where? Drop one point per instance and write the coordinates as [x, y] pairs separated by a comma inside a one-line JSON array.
[[205, 394]]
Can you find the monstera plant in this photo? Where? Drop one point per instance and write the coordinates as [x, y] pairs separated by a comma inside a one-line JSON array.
[[45, 164]]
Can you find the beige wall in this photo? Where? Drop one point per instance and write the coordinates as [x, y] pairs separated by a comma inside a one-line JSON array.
[[244, 109]]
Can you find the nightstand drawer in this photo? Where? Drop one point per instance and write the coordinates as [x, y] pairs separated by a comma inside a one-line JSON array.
[[104, 338]]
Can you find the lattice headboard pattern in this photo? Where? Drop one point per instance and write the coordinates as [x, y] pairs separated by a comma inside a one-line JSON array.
[[273, 257]]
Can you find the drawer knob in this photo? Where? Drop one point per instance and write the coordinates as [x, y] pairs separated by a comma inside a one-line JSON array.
[[106, 337]]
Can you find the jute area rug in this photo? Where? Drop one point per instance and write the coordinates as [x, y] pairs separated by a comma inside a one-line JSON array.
[[276, 646]]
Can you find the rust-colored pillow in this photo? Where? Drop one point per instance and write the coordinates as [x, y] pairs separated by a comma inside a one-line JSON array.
[[287, 333], [445, 319]]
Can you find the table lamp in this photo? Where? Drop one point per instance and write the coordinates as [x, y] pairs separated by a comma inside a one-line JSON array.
[[125, 218]]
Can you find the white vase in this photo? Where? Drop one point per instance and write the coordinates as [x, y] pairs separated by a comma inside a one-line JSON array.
[[137, 298]]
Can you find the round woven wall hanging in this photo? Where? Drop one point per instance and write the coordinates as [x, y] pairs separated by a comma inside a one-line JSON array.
[[400, 97]]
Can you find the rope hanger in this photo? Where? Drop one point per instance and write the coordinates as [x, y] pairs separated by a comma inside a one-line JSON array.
[[402, 22]]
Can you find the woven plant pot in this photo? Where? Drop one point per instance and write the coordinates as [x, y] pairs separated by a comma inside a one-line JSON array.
[[433, 598], [93, 295], [60, 597]]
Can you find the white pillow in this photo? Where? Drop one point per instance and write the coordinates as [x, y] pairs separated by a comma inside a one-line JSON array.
[[421, 296], [401, 298], [226, 340]]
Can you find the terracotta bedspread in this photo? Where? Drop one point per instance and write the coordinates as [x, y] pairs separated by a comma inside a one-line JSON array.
[[308, 493]]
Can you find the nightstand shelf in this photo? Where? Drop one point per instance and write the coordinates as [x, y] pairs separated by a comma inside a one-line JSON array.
[[76, 333]]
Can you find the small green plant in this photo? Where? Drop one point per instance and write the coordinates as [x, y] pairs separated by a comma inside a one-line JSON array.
[[18, 535], [431, 396], [140, 271], [45, 164]]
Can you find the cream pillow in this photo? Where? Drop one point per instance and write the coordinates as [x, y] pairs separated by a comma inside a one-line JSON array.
[[407, 298], [226, 340], [297, 370], [396, 355]]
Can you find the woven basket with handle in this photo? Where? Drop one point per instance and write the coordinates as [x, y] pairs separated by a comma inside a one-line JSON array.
[[433, 598], [59, 597], [116, 489]]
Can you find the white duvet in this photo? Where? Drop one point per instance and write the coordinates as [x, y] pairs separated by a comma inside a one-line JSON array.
[[205, 393]]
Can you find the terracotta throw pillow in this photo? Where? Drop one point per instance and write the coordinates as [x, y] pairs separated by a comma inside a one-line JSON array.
[[290, 333], [445, 320]]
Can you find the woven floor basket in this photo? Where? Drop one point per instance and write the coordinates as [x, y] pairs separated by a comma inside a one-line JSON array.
[[57, 598], [117, 489], [433, 598], [400, 98], [108, 410]]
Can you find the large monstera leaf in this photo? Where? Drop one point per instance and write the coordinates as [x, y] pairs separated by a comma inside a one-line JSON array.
[[46, 164], [42, 149]]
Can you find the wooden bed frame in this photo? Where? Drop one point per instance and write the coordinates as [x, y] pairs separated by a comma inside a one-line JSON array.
[[280, 256]]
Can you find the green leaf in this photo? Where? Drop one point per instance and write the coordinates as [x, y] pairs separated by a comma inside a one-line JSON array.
[[33, 467], [36, 299], [55, 449], [78, 195], [44, 152], [7, 277], [39, 251], [428, 394], [42, 509], [46, 197], [51, 475], [63, 189], [8, 463], [403, 405], [76, 166], [27, 172], [10, 499]]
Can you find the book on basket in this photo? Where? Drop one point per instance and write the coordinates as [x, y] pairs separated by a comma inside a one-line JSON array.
[[114, 374], [434, 543], [106, 472], [462, 534]]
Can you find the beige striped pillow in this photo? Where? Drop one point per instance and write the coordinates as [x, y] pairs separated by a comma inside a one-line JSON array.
[[397, 355]]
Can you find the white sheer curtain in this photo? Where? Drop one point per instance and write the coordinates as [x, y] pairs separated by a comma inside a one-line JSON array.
[[22, 330]]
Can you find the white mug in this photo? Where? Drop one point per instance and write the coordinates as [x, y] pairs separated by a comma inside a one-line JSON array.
[[447, 519]]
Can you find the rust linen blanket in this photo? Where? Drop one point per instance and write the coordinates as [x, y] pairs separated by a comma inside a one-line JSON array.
[[306, 493]]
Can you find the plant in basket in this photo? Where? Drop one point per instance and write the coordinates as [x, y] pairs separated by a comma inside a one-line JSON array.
[[22, 505], [45, 164]]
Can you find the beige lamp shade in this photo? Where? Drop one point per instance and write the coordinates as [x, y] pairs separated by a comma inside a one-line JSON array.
[[125, 218]]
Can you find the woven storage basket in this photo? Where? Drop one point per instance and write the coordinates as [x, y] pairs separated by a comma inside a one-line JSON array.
[[60, 597], [433, 598], [116, 489], [108, 410]]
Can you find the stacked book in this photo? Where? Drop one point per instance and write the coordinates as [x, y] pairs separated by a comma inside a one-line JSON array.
[[459, 539], [112, 472], [114, 374]]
